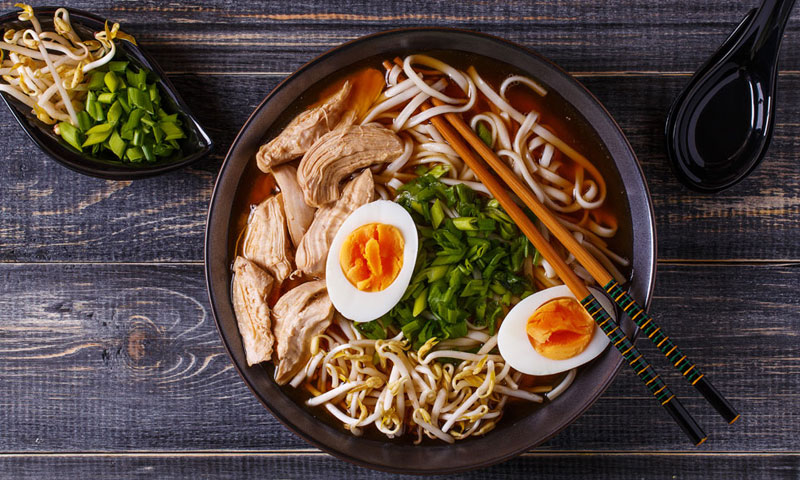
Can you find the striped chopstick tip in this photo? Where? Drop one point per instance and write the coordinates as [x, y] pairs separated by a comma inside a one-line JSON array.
[[734, 419], [702, 441]]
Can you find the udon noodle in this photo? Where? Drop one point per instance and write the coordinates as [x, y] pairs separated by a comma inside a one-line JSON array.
[[385, 383]]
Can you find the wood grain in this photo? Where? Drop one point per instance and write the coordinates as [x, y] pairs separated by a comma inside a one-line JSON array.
[[308, 465], [53, 215], [593, 35], [127, 358], [110, 364]]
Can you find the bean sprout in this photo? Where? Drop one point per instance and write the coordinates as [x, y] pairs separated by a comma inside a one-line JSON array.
[[46, 70]]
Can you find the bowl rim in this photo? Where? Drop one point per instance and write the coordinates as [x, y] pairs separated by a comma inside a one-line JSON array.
[[648, 245], [73, 160]]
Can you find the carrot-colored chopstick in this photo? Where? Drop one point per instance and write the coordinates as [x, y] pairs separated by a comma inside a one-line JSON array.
[[607, 324], [620, 296]]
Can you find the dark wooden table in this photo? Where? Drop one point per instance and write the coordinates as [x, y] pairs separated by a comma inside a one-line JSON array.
[[110, 363]]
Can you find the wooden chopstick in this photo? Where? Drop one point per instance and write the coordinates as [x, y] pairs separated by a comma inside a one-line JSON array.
[[620, 296], [607, 324]]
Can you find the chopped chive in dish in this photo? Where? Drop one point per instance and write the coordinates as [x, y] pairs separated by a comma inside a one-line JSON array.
[[97, 101]]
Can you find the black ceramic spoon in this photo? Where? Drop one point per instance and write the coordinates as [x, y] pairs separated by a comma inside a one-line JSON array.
[[720, 126]]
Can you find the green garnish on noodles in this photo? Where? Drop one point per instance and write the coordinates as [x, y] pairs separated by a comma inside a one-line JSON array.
[[469, 266]]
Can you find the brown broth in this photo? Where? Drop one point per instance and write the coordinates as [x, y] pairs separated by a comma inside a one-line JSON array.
[[556, 114]]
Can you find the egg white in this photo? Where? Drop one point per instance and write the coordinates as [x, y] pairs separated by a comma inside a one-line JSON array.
[[516, 349], [351, 302]]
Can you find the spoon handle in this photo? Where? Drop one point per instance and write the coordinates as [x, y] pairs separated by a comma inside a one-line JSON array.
[[679, 360], [766, 27]]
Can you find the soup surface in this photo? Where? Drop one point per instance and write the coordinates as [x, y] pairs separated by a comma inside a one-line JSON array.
[[429, 369]]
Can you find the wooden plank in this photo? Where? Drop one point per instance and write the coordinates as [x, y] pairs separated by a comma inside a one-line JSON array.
[[581, 36], [106, 358], [304, 466], [51, 214]]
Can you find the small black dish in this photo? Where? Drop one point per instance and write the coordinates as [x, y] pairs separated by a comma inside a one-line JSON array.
[[197, 144]]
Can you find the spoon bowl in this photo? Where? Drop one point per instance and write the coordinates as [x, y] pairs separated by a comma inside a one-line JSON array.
[[719, 128]]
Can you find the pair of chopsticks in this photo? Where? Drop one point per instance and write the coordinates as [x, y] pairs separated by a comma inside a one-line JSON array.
[[460, 136]]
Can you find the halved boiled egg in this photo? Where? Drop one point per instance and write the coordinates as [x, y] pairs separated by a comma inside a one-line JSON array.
[[371, 260], [550, 332]]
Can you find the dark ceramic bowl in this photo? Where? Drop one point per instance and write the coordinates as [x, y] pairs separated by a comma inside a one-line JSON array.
[[195, 146], [516, 432]]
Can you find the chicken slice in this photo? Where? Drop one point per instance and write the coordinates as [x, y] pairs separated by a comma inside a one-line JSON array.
[[298, 215], [300, 314], [265, 240], [251, 287], [341, 152], [304, 130], [313, 249]]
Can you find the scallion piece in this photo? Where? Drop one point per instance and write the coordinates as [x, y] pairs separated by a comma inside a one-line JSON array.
[[172, 131], [420, 303], [466, 223], [437, 213], [158, 134], [138, 137], [118, 66], [70, 134], [101, 128], [117, 144], [152, 90], [107, 98], [112, 81], [134, 154], [114, 113], [84, 120], [97, 81], [124, 103], [147, 149], [96, 138], [140, 99], [163, 150]]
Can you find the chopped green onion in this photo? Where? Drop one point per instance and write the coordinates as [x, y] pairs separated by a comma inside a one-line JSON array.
[[172, 131], [112, 81], [96, 138], [468, 269], [118, 66], [122, 113], [101, 128], [124, 103], [84, 120], [97, 81], [70, 134], [436, 273], [114, 113], [140, 99], [466, 223], [537, 258], [147, 149], [437, 213], [134, 154], [152, 90], [106, 98], [484, 134], [420, 302], [138, 137], [163, 150], [117, 144]]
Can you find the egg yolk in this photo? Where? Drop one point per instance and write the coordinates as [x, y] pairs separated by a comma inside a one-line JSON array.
[[372, 256], [560, 329]]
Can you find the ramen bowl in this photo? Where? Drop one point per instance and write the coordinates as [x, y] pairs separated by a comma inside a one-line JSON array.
[[520, 429]]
